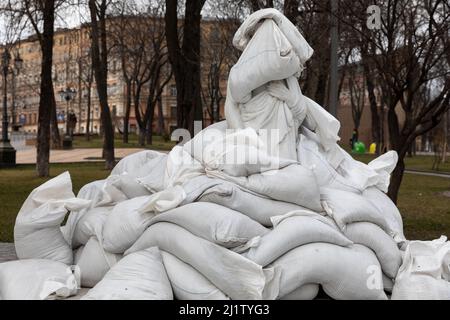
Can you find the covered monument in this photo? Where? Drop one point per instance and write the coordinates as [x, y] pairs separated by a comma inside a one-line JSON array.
[[264, 205]]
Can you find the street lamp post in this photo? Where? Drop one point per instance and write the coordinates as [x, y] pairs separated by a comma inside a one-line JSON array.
[[18, 62], [7, 151], [67, 95]]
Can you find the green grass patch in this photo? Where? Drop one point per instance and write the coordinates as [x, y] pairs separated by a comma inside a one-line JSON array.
[[17, 183], [159, 142], [422, 163], [424, 207]]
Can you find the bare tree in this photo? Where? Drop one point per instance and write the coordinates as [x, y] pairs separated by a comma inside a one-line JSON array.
[[357, 92], [99, 52], [40, 14], [411, 53], [185, 60]]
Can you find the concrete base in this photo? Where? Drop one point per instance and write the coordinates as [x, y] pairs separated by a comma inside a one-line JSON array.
[[7, 155]]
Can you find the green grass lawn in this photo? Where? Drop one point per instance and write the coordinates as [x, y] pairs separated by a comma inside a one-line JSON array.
[[159, 143], [16, 184], [425, 209]]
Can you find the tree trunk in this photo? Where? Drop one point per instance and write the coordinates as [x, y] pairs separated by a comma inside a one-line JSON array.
[[160, 117], [126, 119], [185, 61], [55, 136], [396, 180], [46, 91], [100, 65], [88, 115]]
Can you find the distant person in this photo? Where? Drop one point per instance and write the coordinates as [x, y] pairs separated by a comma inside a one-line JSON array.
[[354, 138]]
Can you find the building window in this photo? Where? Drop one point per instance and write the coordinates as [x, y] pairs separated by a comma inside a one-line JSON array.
[[173, 90]]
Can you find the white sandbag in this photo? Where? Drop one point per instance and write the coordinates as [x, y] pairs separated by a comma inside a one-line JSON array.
[[389, 211], [348, 207], [128, 185], [306, 292], [293, 183], [125, 224], [94, 262], [294, 231], [36, 279], [233, 274], [90, 224], [100, 193], [154, 181], [164, 200], [138, 276], [138, 164], [388, 283], [194, 188], [312, 155], [345, 273], [373, 237], [258, 208], [37, 233], [383, 166], [425, 272], [187, 283], [214, 223], [238, 153]]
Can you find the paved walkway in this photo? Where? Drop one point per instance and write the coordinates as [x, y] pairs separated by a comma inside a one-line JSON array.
[[28, 156], [430, 174]]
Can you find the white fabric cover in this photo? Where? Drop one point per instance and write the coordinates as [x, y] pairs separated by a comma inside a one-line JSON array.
[[187, 283], [343, 272], [128, 185], [425, 272], [90, 224], [335, 168], [36, 279], [258, 208], [373, 237], [306, 292], [138, 164], [125, 224], [214, 223], [37, 233], [94, 262], [268, 43], [279, 185], [234, 275], [389, 211], [100, 195], [154, 181], [294, 231], [138, 276], [348, 207], [248, 27]]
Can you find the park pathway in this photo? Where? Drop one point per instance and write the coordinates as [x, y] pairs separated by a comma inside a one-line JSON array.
[[430, 174], [28, 156]]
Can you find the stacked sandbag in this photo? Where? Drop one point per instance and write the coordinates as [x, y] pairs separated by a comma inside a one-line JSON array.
[[36, 279], [229, 216], [37, 232], [425, 272], [138, 276], [94, 262], [234, 275]]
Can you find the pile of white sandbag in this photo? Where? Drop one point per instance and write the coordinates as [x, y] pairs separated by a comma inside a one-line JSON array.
[[277, 221]]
